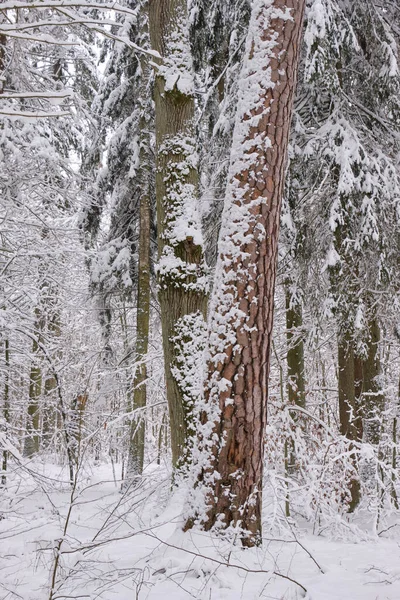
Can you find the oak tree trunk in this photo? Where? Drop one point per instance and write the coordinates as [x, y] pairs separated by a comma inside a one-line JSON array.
[[182, 275]]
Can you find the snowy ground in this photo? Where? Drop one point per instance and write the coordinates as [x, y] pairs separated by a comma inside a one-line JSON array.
[[130, 546]]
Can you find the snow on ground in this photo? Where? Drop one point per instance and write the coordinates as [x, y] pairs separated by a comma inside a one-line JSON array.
[[126, 546]]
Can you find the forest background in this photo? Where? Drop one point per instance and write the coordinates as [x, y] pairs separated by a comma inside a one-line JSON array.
[[152, 153]]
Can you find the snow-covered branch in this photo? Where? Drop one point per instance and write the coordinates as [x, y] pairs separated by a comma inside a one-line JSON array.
[[40, 114], [65, 4], [50, 95]]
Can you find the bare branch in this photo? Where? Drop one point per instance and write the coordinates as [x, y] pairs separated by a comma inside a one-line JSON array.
[[226, 564]]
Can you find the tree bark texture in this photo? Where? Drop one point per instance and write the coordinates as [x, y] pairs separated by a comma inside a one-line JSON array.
[[295, 353], [51, 417], [6, 407], [182, 274], [358, 391], [32, 438], [348, 407], [241, 314], [346, 381], [373, 401], [137, 429]]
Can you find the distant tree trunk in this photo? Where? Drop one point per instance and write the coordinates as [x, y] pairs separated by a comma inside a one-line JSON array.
[[358, 392], [50, 409], [242, 304], [49, 424], [137, 428], [3, 41], [394, 451], [295, 373], [6, 403], [75, 426], [6, 406], [136, 447], [347, 405], [182, 274], [373, 400], [295, 353], [32, 436]]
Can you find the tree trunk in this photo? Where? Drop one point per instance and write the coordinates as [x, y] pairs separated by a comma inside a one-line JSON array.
[[347, 405], [394, 452], [32, 437], [49, 424], [346, 379], [243, 297], [295, 353], [137, 429], [50, 407], [182, 274], [358, 394], [6, 407], [3, 41], [373, 400]]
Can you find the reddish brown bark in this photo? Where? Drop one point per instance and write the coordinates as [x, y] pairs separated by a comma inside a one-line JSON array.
[[244, 292]]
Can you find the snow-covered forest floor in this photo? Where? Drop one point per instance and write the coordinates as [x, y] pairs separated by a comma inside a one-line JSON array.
[[130, 545]]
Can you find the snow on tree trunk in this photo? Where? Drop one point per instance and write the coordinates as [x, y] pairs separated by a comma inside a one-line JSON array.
[[373, 400], [32, 438], [295, 353], [6, 408], [241, 313], [137, 434], [182, 273]]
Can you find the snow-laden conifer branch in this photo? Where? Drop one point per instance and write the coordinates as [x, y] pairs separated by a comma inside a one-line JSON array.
[[14, 29]]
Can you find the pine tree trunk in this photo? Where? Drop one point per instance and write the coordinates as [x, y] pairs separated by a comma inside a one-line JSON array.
[[242, 304], [295, 353], [137, 430], [182, 275]]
